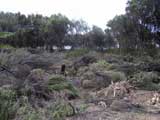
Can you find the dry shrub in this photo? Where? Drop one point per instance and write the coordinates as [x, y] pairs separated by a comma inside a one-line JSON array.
[[13, 58], [118, 90]]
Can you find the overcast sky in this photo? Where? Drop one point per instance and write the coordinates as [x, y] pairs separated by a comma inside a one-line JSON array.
[[96, 12]]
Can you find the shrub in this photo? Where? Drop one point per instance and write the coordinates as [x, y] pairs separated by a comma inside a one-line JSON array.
[[7, 101], [59, 83], [62, 110], [116, 76], [37, 75], [6, 34], [13, 58], [100, 79], [53, 110], [5, 46], [77, 53], [128, 58], [146, 80], [103, 64], [26, 111], [35, 85]]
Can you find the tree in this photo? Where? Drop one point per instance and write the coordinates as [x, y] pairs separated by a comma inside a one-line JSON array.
[[124, 32], [145, 14], [96, 38], [56, 30], [77, 33], [109, 39]]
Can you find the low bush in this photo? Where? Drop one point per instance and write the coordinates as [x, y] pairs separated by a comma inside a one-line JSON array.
[[6, 34], [146, 80], [2, 46], [7, 102], [59, 83], [13, 58], [101, 65], [27, 112], [63, 110], [77, 53], [116, 76]]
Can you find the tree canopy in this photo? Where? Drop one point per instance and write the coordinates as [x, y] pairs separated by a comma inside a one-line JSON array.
[[137, 31]]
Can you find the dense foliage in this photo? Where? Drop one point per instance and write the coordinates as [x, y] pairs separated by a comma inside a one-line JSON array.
[[139, 28], [135, 32]]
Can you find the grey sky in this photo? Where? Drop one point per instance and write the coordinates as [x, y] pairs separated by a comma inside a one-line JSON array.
[[96, 12]]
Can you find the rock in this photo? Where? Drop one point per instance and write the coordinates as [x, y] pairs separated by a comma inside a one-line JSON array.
[[155, 99], [102, 104], [88, 84]]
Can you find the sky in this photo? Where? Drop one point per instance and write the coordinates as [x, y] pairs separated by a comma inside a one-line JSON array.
[[94, 12]]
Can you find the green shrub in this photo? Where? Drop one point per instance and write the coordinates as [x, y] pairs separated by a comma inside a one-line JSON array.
[[104, 64], [7, 101], [82, 108], [58, 83], [77, 53], [146, 80], [62, 110], [37, 73], [6, 34], [114, 51], [2, 46], [27, 112], [116, 76], [101, 65]]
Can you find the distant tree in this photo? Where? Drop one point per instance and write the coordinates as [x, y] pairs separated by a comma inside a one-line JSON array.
[[56, 31], [77, 33], [109, 40], [124, 32], [146, 16]]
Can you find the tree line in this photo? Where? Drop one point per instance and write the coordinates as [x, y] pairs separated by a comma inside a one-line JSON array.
[[137, 31], [57, 30]]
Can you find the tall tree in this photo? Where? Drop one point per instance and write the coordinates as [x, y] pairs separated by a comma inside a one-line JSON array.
[[56, 30]]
